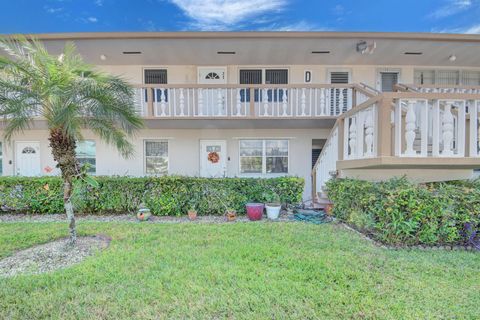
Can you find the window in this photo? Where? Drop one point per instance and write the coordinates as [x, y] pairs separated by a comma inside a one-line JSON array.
[[155, 76], [263, 156], [256, 76], [1, 159], [388, 81], [156, 157], [447, 77], [339, 77], [86, 153], [212, 76]]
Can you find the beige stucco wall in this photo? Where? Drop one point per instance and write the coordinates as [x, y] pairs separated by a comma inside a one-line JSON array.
[[187, 74], [184, 156]]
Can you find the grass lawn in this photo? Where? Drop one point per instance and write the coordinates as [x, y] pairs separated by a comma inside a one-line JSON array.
[[239, 271]]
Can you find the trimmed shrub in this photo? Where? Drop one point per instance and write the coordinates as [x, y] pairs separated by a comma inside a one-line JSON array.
[[169, 195], [399, 212]]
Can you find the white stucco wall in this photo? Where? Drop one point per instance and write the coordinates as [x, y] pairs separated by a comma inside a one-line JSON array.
[[184, 151]]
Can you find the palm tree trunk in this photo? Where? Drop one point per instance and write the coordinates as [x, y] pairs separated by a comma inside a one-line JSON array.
[[67, 204], [63, 151]]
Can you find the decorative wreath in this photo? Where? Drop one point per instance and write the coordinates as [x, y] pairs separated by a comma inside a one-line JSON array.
[[213, 157]]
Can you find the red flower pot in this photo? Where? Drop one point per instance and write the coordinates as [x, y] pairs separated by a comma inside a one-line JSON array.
[[254, 211]]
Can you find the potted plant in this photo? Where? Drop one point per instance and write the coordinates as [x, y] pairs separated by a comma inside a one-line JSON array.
[[143, 213], [192, 212], [231, 214], [272, 205], [254, 211]]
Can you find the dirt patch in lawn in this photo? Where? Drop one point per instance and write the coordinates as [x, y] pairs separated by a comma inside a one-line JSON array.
[[51, 256]]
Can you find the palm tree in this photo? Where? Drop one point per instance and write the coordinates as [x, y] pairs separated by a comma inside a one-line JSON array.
[[71, 96]]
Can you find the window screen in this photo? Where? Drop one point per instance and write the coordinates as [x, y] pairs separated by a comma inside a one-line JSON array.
[[424, 77], [276, 76], [155, 76], [156, 157], [449, 77], [471, 78], [86, 151], [389, 79], [250, 76], [338, 77]]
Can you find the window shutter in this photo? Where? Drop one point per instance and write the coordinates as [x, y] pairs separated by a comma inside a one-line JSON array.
[[471, 78], [155, 76], [339, 77], [276, 76], [250, 76], [389, 79], [448, 77], [424, 77]]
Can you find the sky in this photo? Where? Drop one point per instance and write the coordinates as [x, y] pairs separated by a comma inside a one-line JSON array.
[[45, 16]]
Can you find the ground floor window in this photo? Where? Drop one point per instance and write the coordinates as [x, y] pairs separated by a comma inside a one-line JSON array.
[[263, 156], [156, 157], [86, 155]]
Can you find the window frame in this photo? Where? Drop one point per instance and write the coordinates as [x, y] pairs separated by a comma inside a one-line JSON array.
[[264, 158], [94, 157], [460, 79], [154, 68], [264, 73], [144, 158]]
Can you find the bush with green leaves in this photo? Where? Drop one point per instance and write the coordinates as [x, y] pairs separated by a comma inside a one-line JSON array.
[[400, 212], [169, 195]]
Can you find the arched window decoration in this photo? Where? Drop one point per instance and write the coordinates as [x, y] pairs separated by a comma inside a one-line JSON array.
[[28, 150], [212, 75]]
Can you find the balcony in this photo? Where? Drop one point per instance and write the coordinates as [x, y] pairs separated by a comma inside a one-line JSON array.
[[249, 101]]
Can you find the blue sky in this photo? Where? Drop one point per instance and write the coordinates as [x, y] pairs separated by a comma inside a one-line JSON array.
[[40, 16]]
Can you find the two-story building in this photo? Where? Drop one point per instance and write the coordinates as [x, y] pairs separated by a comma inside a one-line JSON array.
[[366, 105]]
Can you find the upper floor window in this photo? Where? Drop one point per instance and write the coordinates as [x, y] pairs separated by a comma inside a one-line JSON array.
[[447, 77], [156, 157], [264, 156], [339, 77], [155, 76], [86, 154]]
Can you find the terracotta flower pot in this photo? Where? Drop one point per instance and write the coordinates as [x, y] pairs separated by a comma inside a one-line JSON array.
[[231, 215], [254, 211], [329, 209], [192, 214]]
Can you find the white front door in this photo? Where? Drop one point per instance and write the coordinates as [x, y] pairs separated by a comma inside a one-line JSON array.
[[27, 159], [214, 99], [213, 162]]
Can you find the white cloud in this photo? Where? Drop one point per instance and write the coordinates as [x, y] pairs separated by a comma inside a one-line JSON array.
[[451, 8], [225, 14], [99, 3], [53, 10], [298, 26], [473, 29]]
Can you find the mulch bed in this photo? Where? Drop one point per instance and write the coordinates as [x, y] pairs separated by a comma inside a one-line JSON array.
[[51, 256]]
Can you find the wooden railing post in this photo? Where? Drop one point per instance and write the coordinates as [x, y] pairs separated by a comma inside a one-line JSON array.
[[252, 101], [150, 111], [384, 127], [341, 126]]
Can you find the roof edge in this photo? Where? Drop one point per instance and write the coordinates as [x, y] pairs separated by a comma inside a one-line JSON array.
[[252, 34]]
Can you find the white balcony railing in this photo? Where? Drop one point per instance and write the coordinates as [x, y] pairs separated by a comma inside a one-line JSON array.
[[248, 101]]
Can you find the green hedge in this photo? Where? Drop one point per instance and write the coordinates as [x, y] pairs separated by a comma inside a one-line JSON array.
[[170, 195], [400, 212]]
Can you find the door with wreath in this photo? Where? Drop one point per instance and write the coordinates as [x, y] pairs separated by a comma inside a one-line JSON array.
[[213, 162]]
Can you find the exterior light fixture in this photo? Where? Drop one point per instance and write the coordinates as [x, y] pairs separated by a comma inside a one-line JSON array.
[[452, 58], [103, 57]]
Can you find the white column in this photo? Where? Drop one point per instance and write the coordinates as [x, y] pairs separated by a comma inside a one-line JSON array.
[[369, 132], [265, 102], [181, 102], [219, 102], [447, 129], [239, 103], [303, 104], [410, 126], [163, 105], [200, 102], [323, 105], [352, 142], [284, 102]]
